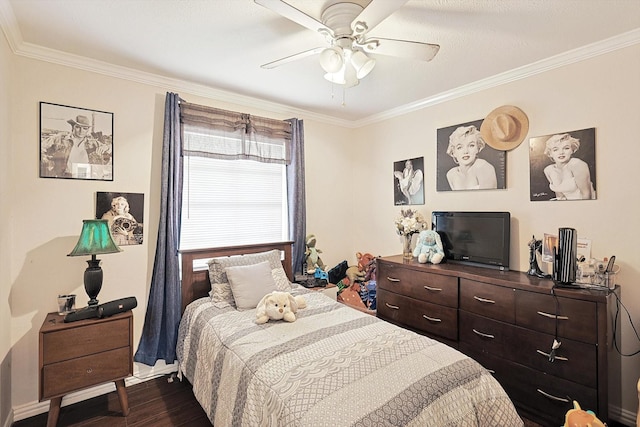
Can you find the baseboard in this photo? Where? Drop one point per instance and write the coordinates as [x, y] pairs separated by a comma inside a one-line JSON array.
[[623, 416], [141, 373]]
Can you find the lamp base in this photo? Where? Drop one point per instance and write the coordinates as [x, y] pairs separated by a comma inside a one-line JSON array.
[[93, 280]]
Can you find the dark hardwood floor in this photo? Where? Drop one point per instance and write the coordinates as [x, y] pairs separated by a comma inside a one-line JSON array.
[[154, 403], [157, 403]]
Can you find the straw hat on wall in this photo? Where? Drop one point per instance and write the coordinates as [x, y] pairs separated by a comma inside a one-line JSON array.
[[505, 127]]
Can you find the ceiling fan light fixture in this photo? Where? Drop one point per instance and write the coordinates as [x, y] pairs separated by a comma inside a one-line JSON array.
[[350, 76], [336, 78], [362, 64], [331, 59]]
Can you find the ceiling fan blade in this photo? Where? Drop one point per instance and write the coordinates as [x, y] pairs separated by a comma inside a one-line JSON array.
[[292, 58], [401, 48], [376, 12], [295, 15]]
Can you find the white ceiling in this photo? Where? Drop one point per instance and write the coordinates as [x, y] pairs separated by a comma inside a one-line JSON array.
[[220, 44]]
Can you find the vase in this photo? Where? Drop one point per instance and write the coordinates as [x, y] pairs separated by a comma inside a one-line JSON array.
[[407, 253]]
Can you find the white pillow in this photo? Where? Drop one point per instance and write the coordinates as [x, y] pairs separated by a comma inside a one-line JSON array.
[[220, 289], [249, 283]]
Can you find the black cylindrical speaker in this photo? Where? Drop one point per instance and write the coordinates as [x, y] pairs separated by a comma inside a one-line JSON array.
[[118, 306], [566, 261]]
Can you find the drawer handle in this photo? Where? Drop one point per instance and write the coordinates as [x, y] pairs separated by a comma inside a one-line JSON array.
[[431, 319], [394, 307], [552, 316], [547, 355], [482, 334], [392, 279], [550, 396], [429, 288], [488, 301], [89, 370]]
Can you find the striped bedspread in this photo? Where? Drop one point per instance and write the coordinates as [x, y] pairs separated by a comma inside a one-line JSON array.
[[334, 366]]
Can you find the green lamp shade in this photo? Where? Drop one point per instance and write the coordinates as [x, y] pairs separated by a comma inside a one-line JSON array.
[[95, 239]]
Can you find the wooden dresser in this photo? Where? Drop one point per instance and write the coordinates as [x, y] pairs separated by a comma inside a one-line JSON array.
[[82, 354], [507, 322]]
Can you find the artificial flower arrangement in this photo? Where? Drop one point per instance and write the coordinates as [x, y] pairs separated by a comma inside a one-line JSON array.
[[410, 222]]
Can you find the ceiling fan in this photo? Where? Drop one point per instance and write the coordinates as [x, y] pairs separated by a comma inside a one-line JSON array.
[[346, 27]]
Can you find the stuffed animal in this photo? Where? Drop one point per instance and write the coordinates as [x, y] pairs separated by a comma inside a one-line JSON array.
[[279, 305], [429, 247], [354, 274], [312, 259], [367, 264], [577, 417], [364, 260]]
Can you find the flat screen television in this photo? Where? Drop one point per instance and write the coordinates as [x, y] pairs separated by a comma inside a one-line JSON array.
[[475, 238]]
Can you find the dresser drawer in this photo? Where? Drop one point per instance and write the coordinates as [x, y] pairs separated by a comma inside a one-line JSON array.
[[423, 316], [63, 377], [434, 288], [72, 342], [537, 394], [485, 335], [577, 319], [492, 301], [575, 361]]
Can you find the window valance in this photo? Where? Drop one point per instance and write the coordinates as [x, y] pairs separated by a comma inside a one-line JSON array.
[[228, 135]]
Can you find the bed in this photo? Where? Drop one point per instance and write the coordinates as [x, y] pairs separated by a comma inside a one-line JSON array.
[[333, 366]]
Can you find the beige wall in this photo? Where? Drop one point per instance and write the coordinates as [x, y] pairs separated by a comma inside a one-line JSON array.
[[5, 231], [349, 185], [602, 92], [48, 212]]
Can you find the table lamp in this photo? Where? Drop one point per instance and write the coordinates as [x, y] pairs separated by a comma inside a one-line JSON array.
[[95, 239]]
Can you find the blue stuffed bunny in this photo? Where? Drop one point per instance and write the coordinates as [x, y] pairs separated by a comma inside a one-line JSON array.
[[429, 247]]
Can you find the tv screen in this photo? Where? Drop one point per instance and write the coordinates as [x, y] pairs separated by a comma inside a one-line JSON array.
[[477, 238]]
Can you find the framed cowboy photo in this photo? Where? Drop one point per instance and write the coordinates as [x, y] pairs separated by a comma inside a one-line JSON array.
[[75, 143]]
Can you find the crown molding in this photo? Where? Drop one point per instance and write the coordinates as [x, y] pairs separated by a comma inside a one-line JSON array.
[[19, 47], [40, 53], [9, 25], [566, 58]]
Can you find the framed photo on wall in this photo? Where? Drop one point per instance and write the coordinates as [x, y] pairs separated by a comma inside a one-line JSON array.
[[75, 143], [408, 177], [562, 166], [125, 214], [466, 162]]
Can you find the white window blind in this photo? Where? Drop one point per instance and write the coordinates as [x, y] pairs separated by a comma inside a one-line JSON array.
[[232, 202]]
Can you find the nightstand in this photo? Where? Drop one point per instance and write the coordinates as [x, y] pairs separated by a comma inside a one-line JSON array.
[[329, 289], [82, 354]]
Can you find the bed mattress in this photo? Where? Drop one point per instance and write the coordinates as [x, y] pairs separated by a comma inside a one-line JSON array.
[[333, 366]]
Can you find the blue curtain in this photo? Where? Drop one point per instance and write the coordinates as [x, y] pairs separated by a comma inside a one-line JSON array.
[[296, 194], [160, 331]]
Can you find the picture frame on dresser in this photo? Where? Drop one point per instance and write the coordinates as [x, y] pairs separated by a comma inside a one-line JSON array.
[[75, 143]]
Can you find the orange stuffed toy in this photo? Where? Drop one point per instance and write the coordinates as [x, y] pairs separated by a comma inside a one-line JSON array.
[[576, 417]]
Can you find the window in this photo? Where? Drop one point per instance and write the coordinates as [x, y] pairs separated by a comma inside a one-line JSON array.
[[234, 178], [232, 202]]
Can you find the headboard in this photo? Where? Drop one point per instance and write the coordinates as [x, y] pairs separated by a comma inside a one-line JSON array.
[[195, 281]]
